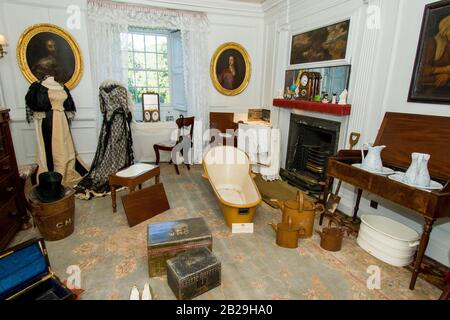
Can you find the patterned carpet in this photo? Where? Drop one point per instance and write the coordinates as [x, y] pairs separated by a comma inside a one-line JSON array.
[[113, 257]]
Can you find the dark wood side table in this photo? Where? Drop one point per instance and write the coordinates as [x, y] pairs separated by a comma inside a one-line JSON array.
[[131, 182]]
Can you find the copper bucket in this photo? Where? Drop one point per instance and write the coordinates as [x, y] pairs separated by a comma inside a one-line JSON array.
[[55, 220], [302, 212], [331, 237]]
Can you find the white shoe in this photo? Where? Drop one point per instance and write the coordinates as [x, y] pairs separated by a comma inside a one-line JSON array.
[[147, 294], [134, 293]]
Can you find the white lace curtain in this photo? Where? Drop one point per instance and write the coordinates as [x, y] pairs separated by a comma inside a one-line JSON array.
[[108, 20]]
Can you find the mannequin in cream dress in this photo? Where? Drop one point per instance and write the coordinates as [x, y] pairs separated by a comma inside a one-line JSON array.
[[61, 152]]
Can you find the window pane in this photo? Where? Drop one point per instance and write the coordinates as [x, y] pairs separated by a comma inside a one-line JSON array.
[[132, 88], [152, 80], [140, 78], [131, 78], [162, 62], [151, 60], [164, 96], [150, 43], [140, 91], [162, 44], [130, 60], [138, 42], [163, 79], [139, 60]]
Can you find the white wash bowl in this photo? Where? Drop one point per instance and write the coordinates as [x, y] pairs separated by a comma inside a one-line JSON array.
[[387, 240]]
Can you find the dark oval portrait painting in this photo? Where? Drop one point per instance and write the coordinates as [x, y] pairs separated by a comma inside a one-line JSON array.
[[47, 50], [230, 69]]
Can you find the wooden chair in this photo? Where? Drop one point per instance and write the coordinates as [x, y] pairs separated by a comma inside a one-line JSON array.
[[223, 121], [170, 145]]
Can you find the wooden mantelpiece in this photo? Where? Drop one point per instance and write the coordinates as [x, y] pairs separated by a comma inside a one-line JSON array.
[[334, 109]]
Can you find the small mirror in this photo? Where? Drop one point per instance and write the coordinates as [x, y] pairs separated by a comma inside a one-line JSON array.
[[150, 107]]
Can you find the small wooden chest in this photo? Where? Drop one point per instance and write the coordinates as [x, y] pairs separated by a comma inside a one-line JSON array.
[[193, 272], [167, 239]]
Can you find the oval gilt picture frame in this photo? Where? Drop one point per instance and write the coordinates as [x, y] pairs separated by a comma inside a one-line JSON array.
[[230, 69], [48, 50]]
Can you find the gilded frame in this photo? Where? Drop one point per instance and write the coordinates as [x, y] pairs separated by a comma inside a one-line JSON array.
[[213, 68], [32, 31]]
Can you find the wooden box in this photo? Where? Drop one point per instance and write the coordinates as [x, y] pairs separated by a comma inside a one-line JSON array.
[[26, 275], [167, 239], [258, 115], [193, 272]]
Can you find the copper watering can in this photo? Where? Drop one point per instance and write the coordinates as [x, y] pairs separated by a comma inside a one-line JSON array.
[[331, 237], [287, 234], [302, 212]]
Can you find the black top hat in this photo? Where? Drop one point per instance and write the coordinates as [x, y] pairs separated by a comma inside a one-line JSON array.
[[50, 188]]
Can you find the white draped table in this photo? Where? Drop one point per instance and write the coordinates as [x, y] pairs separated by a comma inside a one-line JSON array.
[[146, 134]]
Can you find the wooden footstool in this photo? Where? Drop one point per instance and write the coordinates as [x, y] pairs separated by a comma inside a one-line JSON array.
[[120, 180]]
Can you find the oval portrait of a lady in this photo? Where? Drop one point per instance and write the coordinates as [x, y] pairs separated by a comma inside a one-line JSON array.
[[230, 69], [47, 50]]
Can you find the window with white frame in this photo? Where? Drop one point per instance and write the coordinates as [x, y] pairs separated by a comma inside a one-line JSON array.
[[148, 64], [155, 64]]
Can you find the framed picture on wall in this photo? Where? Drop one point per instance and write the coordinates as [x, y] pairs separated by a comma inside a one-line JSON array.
[[230, 69], [48, 50], [150, 107], [430, 81], [323, 44]]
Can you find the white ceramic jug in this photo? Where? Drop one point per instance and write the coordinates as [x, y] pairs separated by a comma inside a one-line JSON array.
[[372, 161], [423, 176], [411, 173]]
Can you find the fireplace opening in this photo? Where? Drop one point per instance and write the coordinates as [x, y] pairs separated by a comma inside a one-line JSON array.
[[311, 142]]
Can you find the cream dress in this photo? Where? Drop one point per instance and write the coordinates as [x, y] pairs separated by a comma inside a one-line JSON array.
[[63, 148]]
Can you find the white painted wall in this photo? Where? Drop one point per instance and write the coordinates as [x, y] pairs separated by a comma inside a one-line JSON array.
[[382, 64], [15, 17], [247, 31], [229, 21]]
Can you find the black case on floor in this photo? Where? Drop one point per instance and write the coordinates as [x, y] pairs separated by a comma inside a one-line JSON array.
[[26, 275], [193, 272]]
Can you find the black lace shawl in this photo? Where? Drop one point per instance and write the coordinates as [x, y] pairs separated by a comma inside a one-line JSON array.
[[37, 100]]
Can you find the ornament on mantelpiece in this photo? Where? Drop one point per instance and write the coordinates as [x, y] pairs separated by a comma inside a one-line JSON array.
[[325, 98], [280, 94], [343, 97], [334, 98], [287, 94]]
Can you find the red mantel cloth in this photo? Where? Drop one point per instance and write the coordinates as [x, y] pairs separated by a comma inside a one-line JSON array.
[[334, 109]]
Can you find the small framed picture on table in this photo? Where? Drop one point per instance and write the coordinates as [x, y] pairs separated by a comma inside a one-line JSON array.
[[150, 107]]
